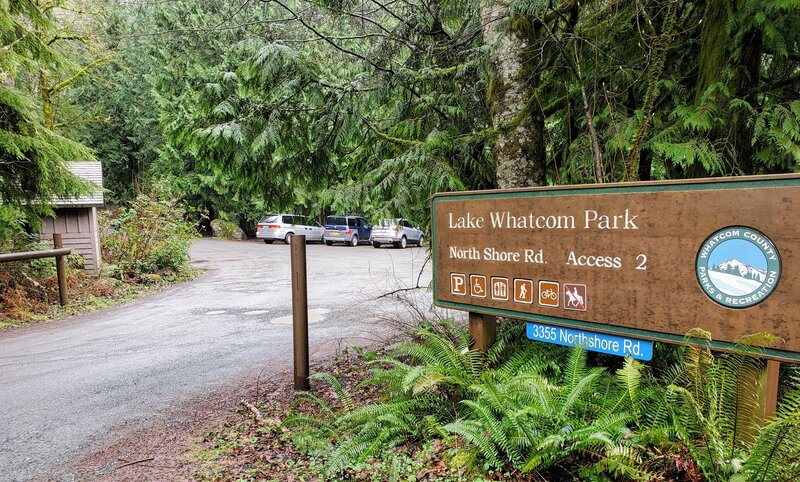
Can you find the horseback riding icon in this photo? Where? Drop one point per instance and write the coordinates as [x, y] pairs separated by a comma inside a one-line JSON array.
[[575, 297]]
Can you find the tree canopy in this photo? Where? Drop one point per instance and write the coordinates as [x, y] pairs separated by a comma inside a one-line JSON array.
[[32, 154], [324, 106]]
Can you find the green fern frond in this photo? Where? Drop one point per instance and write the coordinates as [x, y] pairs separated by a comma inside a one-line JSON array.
[[342, 394], [472, 432], [374, 411]]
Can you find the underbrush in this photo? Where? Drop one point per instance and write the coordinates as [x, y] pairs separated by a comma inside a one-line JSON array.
[[144, 246], [24, 298], [431, 409]]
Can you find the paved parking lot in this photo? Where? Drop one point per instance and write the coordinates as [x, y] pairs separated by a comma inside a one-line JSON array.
[[69, 386]]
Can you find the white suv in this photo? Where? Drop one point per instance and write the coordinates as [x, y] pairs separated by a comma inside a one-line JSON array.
[[397, 232]]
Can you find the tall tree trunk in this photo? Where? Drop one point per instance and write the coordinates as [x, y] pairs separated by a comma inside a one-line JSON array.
[[519, 147], [47, 102], [715, 57], [714, 42], [744, 81]]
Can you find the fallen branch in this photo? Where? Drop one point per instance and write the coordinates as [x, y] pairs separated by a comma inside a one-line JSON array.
[[134, 462]]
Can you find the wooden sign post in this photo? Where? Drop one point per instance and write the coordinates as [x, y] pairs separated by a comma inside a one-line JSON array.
[[614, 267], [299, 312]]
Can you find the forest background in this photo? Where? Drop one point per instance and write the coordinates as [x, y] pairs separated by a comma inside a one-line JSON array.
[[207, 109], [237, 108]]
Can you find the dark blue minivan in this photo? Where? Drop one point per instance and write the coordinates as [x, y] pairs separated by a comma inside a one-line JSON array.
[[350, 230]]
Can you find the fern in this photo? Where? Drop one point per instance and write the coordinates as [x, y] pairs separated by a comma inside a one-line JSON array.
[[528, 415], [342, 394]]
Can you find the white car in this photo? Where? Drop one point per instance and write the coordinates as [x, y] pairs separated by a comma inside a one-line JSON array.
[[282, 227], [397, 232]]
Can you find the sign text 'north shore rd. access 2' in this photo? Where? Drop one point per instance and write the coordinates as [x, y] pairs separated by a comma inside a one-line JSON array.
[[646, 260]]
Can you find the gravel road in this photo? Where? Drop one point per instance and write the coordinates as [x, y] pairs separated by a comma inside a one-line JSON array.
[[70, 386]]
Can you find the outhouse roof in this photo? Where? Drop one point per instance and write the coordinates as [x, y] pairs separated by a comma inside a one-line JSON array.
[[91, 171]]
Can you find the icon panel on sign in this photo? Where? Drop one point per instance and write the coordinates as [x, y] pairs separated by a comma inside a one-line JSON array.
[[458, 284], [574, 297], [477, 283], [523, 291], [499, 288], [548, 293]]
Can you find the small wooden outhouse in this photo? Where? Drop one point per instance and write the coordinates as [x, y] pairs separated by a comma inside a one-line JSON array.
[[76, 219]]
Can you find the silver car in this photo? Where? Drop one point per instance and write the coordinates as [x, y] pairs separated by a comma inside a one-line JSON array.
[[282, 227], [397, 232]]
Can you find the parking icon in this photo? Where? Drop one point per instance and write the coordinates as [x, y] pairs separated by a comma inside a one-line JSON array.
[[523, 291], [458, 284], [499, 288], [477, 283]]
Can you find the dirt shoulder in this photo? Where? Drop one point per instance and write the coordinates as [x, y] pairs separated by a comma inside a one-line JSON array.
[[163, 450]]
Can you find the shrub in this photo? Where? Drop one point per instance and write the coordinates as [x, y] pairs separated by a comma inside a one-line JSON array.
[[227, 230], [150, 236], [23, 284]]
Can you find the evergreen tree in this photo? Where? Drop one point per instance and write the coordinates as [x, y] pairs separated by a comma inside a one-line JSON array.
[[364, 106], [32, 157]]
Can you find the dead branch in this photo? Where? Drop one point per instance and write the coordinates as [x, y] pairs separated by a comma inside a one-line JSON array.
[[134, 462]]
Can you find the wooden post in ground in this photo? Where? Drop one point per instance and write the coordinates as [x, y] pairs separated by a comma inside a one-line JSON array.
[[61, 270], [482, 329], [300, 312], [771, 388]]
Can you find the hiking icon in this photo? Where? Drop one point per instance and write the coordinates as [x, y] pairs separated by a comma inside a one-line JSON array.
[[523, 291]]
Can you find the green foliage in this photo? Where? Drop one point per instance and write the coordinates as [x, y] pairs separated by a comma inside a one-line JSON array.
[[149, 236], [530, 411], [713, 410], [325, 106], [32, 157], [12, 228], [226, 230], [120, 115]]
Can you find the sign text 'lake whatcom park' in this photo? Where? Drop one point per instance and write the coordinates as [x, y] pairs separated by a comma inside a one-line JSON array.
[[607, 266]]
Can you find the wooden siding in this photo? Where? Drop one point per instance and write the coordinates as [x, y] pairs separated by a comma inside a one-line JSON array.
[[79, 232]]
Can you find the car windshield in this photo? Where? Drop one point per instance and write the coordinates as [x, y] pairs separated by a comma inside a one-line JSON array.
[[269, 218], [388, 223], [336, 220]]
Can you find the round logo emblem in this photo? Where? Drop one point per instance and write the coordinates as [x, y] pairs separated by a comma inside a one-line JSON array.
[[738, 267]]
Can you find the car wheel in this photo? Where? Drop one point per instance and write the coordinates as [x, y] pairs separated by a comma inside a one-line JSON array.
[[402, 243], [288, 238], [376, 244], [329, 243], [354, 240], [421, 240], [268, 241]]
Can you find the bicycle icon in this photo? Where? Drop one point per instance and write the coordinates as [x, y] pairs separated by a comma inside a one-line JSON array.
[[549, 294]]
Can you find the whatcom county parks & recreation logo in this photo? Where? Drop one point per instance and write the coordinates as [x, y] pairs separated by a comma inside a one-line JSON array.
[[738, 267]]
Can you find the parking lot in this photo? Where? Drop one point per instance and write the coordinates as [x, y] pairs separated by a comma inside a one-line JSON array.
[[71, 386]]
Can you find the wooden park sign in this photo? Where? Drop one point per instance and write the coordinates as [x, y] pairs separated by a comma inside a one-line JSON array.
[[649, 261]]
